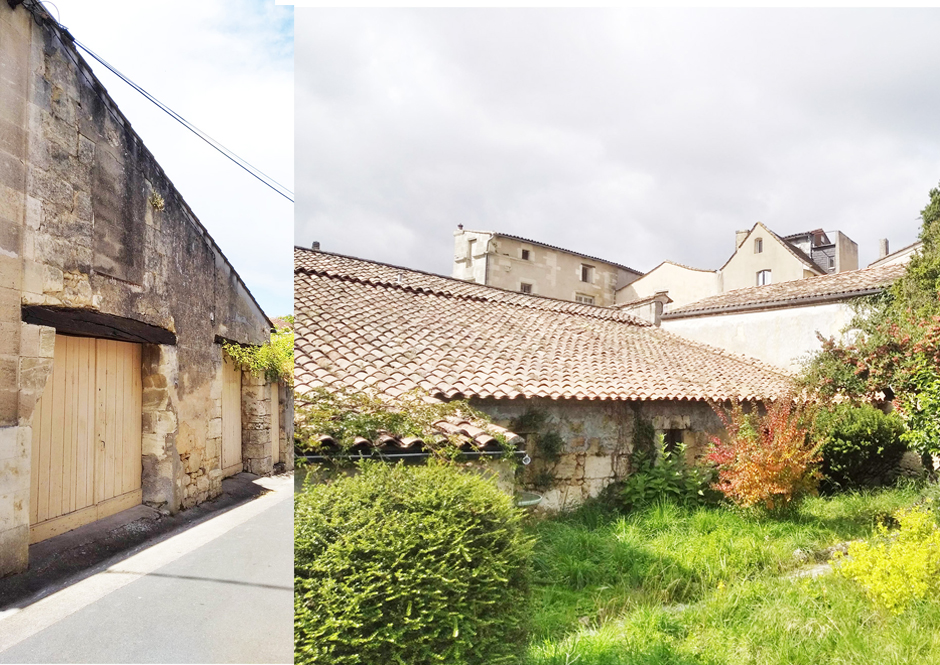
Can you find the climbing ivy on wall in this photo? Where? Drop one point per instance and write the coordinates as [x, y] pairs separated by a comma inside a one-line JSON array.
[[274, 360]]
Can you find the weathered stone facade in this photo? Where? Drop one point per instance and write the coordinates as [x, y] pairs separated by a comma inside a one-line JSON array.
[[597, 440], [96, 241]]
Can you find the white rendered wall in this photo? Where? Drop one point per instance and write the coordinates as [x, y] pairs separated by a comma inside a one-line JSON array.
[[780, 337], [683, 285]]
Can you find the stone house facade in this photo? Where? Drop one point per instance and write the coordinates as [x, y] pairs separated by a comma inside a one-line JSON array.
[[114, 302], [760, 257], [590, 375], [516, 264]]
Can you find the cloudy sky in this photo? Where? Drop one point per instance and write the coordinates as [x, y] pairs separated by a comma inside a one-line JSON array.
[[227, 67], [632, 135]]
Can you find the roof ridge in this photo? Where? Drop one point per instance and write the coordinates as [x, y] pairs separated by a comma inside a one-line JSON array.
[[462, 282], [779, 291], [562, 249], [575, 309]]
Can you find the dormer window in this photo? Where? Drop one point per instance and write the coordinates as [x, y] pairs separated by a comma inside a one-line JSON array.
[[763, 277], [758, 245]]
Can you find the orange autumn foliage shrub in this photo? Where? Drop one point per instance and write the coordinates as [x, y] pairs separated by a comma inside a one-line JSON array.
[[769, 460]]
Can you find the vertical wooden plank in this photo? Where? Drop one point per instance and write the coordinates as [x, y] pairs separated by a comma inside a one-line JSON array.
[[129, 419], [120, 367], [77, 493], [86, 424], [57, 453], [134, 464], [101, 385], [34, 464], [45, 448], [71, 405], [111, 435], [275, 425]]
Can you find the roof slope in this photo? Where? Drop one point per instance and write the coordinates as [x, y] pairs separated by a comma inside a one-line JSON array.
[[364, 324], [849, 284]]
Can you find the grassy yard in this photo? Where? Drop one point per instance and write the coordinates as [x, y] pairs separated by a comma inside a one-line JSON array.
[[709, 585]]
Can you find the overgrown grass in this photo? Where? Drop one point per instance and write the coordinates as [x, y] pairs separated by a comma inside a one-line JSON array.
[[708, 585]]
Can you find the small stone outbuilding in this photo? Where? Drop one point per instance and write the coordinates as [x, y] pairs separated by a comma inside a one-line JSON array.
[[114, 304], [585, 382]]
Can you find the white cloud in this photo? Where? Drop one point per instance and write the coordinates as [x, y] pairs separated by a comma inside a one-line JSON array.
[[634, 135]]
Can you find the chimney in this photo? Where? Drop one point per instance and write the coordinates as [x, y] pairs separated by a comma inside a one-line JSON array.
[[882, 248], [739, 237], [316, 245]]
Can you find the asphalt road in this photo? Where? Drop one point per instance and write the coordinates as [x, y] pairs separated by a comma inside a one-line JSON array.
[[222, 592]]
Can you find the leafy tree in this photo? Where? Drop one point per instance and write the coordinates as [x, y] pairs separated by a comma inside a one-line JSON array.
[[893, 345]]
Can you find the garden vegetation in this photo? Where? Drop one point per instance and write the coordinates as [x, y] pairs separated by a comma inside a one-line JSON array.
[[409, 565], [730, 558]]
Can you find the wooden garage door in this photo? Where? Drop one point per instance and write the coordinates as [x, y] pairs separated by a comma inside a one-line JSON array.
[[275, 425], [86, 445], [231, 417]]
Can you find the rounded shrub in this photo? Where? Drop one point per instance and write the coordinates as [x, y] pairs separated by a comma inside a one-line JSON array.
[[861, 446], [410, 565]]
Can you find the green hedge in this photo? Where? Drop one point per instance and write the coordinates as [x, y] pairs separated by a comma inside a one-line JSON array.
[[861, 446], [410, 565]]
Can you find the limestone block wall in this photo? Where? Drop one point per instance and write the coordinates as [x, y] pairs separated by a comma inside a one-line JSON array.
[[256, 424], [90, 225], [597, 440]]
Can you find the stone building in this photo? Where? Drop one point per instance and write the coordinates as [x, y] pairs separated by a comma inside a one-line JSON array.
[[898, 257], [585, 377], [760, 257], [516, 264], [779, 323], [114, 302]]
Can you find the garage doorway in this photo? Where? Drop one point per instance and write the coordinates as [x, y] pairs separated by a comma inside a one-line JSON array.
[[86, 441], [231, 417]]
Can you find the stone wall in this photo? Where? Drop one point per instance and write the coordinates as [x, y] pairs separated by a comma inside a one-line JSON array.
[[596, 440], [91, 227]]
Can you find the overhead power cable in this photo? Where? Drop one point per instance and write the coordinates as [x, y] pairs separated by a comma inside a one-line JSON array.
[[253, 171]]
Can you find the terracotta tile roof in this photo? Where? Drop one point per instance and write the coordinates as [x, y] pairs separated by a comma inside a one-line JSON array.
[[849, 284], [368, 325], [415, 280], [469, 438]]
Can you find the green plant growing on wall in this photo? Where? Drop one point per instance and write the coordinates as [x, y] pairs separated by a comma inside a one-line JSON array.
[[273, 360], [551, 445], [547, 441], [156, 201], [345, 415], [644, 436]]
